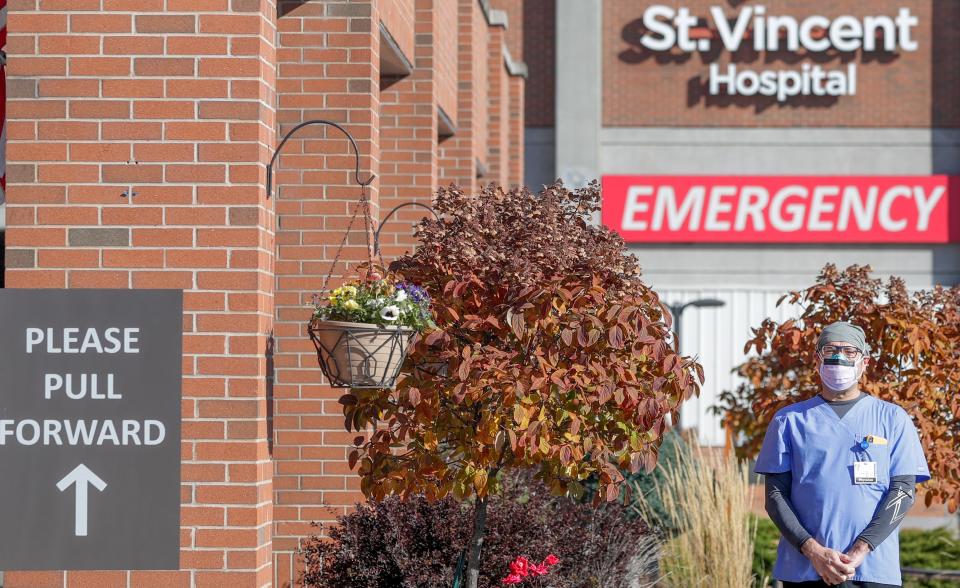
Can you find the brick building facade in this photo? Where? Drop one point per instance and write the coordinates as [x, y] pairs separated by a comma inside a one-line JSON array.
[[139, 132], [896, 89]]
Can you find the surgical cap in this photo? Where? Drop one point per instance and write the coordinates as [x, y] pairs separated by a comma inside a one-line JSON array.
[[844, 331]]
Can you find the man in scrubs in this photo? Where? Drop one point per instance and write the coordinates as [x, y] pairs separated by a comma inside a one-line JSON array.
[[841, 470]]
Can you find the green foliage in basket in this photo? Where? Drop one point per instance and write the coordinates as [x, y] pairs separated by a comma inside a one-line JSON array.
[[380, 302]]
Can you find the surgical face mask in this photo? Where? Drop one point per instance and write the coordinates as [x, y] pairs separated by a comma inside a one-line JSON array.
[[839, 374]]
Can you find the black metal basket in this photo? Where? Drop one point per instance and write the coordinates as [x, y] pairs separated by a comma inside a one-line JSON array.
[[360, 355]]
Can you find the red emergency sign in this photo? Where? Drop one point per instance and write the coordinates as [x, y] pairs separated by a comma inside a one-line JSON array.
[[783, 209]]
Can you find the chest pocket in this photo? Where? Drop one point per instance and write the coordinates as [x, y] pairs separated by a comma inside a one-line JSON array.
[[876, 453]]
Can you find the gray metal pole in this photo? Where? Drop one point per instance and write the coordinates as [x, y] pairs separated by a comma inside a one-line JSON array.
[[677, 311]]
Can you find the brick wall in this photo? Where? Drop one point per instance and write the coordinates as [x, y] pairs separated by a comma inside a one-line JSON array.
[[898, 90], [328, 69], [458, 154], [514, 30], [514, 39], [515, 133], [177, 102], [446, 57], [539, 53], [172, 102], [479, 63], [408, 134], [498, 105], [397, 18]]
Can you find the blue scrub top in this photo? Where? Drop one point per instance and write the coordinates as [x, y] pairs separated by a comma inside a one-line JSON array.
[[819, 448]]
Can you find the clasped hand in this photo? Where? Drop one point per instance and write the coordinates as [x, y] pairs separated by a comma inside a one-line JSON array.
[[832, 566]]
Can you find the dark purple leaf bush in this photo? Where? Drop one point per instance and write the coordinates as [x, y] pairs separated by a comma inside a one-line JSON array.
[[416, 543]]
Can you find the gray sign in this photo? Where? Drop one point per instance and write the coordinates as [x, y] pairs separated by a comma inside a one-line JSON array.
[[90, 429]]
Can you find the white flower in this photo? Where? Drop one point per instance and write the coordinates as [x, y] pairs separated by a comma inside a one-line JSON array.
[[400, 296], [390, 313]]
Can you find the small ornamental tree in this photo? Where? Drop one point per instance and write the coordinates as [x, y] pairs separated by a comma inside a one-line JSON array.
[[915, 363], [550, 354]]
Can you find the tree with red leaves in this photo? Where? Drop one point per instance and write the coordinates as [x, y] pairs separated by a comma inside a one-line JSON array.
[[550, 353]]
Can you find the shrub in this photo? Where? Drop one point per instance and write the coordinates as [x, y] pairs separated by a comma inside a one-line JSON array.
[[936, 549], [764, 547], [416, 543]]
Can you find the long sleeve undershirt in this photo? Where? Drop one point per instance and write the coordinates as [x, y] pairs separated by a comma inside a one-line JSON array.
[[890, 513]]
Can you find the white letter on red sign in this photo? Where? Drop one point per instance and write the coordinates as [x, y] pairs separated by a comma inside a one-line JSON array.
[[634, 206], [926, 204], [716, 206], [795, 221], [818, 207], [886, 205], [753, 201], [690, 211], [864, 212]]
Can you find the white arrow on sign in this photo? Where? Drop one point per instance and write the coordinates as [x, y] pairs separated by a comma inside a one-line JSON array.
[[81, 476]]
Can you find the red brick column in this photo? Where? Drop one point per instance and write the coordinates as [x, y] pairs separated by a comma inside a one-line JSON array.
[[408, 136], [498, 101], [328, 67], [515, 135], [460, 154], [138, 133]]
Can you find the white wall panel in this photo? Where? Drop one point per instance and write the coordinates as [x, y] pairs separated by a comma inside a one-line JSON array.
[[717, 336]]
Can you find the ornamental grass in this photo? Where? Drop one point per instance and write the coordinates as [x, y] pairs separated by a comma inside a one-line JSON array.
[[706, 499]]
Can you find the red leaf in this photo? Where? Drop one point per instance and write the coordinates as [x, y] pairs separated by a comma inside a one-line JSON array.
[[615, 337], [593, 337], [557, 377], [414, 395], [518, 326], [612, 492], [606, 392], [458, 392], [433, 337]]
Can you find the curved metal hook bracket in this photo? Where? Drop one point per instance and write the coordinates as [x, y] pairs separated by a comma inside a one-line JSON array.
[[376, 235], [289, 135]]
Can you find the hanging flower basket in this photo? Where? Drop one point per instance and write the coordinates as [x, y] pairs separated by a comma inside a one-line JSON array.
[[360, 355], [363, 331]]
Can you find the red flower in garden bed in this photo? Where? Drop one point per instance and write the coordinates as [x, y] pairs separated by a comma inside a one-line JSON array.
[[521, 568]]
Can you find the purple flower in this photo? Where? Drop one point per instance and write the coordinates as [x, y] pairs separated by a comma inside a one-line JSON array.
[[416, 293]]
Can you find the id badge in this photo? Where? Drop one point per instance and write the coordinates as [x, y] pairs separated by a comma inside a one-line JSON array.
[[864, 472]]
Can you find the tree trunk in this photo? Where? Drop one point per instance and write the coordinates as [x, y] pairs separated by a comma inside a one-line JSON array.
[[476, 542]]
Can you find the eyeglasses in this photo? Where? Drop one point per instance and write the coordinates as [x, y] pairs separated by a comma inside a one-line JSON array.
[[847, 351]]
